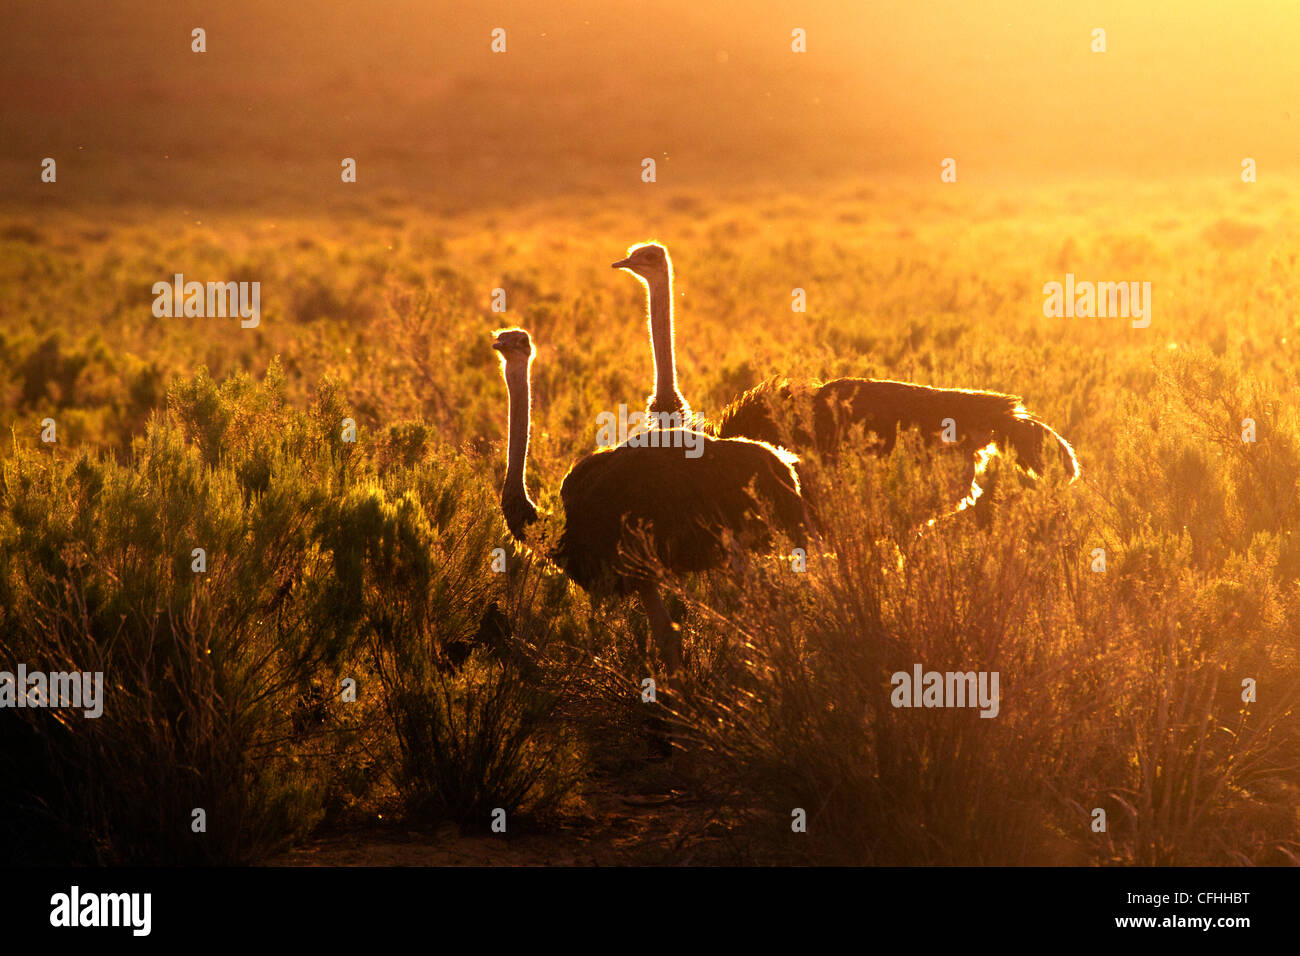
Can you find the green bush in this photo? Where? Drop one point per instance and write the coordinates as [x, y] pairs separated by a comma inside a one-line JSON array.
[[222, 685], [1120, 690]]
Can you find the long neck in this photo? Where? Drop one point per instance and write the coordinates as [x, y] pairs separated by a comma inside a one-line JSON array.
[[518, 509], [666, 398]]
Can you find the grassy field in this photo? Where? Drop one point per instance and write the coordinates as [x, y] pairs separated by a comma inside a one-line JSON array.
[[1122, 689], [1126, 685]]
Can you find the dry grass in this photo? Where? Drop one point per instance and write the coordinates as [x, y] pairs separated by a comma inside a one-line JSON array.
[[1120, 690]]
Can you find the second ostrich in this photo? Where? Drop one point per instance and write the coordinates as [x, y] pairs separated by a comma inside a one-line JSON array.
[[806, 415], [616, 499]]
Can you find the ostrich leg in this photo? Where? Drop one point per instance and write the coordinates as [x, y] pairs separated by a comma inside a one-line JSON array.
[[666, 634], [669, 638]]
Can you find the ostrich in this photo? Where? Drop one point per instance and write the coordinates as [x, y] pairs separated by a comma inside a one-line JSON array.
[[819, 415], [617, 498]]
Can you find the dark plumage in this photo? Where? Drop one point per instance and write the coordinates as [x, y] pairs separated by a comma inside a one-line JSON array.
[[614, 499], [819, 416], [685, 503]]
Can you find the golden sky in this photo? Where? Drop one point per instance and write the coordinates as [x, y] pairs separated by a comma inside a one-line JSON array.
[[1011, 88]]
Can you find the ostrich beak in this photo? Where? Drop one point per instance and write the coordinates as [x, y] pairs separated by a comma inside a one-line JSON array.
[[496, 344], [621, 264]]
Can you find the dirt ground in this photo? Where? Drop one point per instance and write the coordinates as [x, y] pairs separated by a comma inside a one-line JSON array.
[[638, 819]]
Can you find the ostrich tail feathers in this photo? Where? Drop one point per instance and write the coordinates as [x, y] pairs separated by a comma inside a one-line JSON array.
[[1028, 435]]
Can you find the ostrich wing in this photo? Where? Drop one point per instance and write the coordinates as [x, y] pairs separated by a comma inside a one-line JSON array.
[[682, 504], [821, 416]]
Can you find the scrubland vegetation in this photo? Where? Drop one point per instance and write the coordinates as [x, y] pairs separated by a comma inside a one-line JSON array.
[[1121, 689]]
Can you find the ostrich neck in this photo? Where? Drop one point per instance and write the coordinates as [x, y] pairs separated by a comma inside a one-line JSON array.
[[661, 336], [520, 391]]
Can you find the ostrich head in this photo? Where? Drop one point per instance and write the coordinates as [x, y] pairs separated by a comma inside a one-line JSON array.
[[515, 345], [646, 260]]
